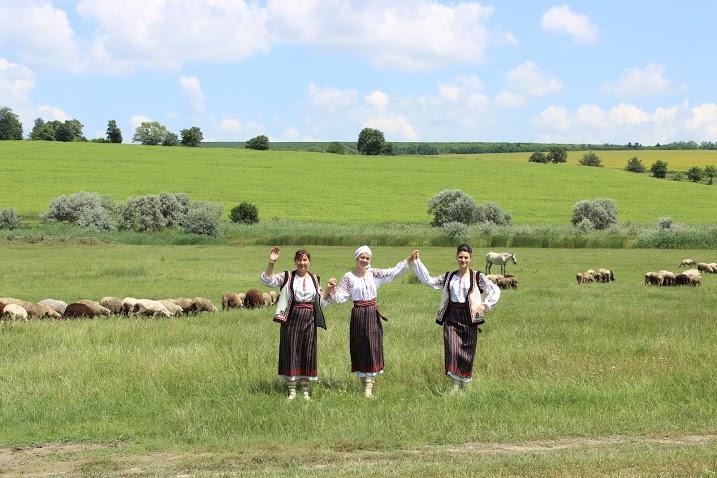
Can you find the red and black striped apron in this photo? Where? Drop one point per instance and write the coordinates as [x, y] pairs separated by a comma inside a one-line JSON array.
[[297, 343], [366, 337], [460, 336]]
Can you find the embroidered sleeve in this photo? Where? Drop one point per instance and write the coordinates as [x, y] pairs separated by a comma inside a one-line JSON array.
[[342, 292], [276, 280], [384, 276], [422, 273], [492, 291]]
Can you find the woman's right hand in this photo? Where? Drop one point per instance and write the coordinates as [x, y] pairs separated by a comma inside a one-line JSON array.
[[331, 284], [274, 254]]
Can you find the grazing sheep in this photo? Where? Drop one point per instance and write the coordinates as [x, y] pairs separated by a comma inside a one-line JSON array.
[[40, 311], [606, 275], [22, 303], [507, 283], [688, 279], [687, 263], [185, 303], [266, 299], [173, 308], [653, 278], [97, 309], [114, 304], [254, 299], [77, 309], [711, 267], [15, 312], [702, 267], [692, 273], [494, 277], [151, 308], [230, 300], [274, 296], [128, 305], [668, 277], [200, 304], [57, 305], [584, 278]]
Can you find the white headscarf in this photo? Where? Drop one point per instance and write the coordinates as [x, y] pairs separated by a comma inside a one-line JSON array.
[[361, 250]]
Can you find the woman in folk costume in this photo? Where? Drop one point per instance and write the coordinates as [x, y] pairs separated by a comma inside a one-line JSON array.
[[460, 312], [298, 310], [366, 330]]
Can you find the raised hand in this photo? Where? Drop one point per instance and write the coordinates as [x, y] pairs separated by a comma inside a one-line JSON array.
[[274, 255]]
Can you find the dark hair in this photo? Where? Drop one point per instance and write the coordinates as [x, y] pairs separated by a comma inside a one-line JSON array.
[[464, 248], [301, 252]]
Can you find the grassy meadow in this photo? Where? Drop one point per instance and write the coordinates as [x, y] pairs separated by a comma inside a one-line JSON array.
[[627, 366], [319, 187]]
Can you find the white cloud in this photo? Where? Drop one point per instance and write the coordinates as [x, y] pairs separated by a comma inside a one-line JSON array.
[[411, 35], [449, 92], [137, 120], [39, 34], [562, 19], [527, 79], [163, 34], [230, 125], [377, 99], [290, 134], [393, 126], [646, 81], [193, 90], [507, 99], [51, 113], [627, 122], [467, 88], [233, 129], [331, 97]]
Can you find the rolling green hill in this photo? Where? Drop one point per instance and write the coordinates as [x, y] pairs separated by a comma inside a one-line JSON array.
[[343, 189]]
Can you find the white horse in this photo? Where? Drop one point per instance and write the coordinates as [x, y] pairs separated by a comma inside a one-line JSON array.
[[501, 258]]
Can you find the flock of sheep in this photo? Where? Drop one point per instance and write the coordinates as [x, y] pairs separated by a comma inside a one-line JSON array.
[[600, 275], [56, 309], [688, 277], [503, 281]]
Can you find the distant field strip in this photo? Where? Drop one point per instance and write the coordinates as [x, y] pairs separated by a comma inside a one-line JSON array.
[[346, 189]]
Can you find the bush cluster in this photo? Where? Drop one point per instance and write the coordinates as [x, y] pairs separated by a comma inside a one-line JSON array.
[[89, 209], [590, 159], [9, 219], [634, 165], [245, 213], [154, 212], [453, 205], [601, 213]]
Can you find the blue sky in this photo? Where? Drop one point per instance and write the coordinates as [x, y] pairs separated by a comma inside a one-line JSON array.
[[320, 70]]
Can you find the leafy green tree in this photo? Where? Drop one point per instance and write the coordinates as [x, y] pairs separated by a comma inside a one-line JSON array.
[[245, 213], [260, 142], [634, 165], [336, 148], [558, 155], [114, 134], [370, 141], [710, 172], [694, 174], [590, 159], [42, 131], [602, 213], [10, 125], [150, 133], [192, 136], [64, 132], [171, 139], [659, 169], [538, 157]]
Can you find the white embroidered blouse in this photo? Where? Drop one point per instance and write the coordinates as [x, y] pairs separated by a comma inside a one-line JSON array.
[[304, 290], [458, 286], [366, 287]]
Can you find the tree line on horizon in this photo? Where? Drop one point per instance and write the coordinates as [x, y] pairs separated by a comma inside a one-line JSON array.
[[370, 141]]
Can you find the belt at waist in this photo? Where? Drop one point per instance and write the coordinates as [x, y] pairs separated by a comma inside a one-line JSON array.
[[458, 305], [365, 303], [303, 305]]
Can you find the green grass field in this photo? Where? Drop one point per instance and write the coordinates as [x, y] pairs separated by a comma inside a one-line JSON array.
[[321, 187], [600, 379]]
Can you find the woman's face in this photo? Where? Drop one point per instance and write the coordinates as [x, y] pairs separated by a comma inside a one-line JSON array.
[[363, 260], [302, 263], [463, 259]]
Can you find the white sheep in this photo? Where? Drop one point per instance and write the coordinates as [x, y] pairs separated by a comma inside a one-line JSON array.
[[151, 308], [14, 311]]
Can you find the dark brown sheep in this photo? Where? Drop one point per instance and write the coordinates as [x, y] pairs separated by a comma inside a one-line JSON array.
[[254, 299], [78, 310]]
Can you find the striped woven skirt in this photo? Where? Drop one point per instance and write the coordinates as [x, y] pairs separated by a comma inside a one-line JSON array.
[[460, 337], [297, 345], [366, 340]]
